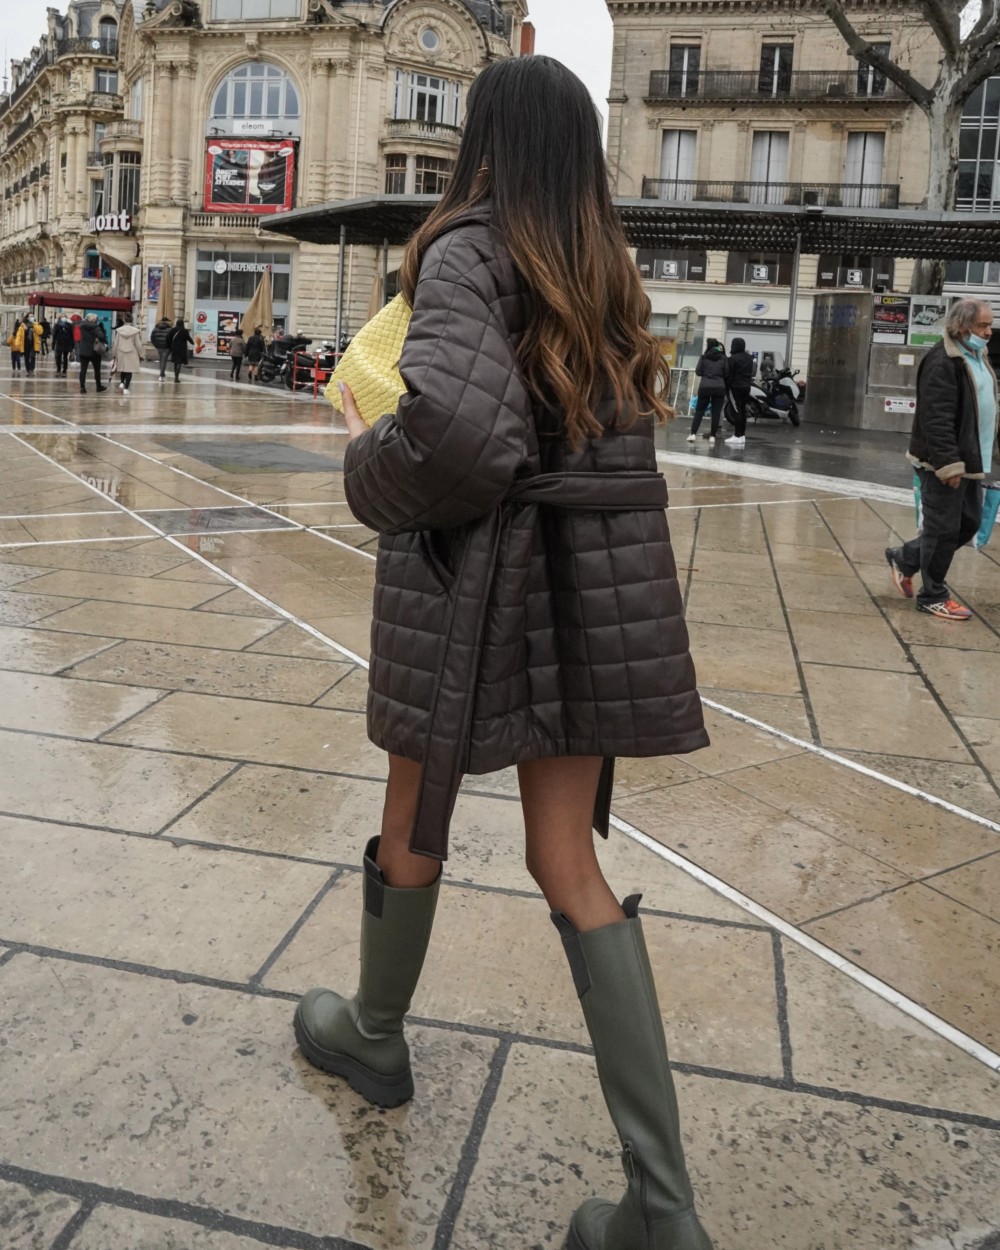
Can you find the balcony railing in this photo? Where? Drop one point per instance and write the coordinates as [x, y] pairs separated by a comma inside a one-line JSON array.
[[20, 129], [804, 194], [128, 129], [95, 160], [410, 128], [224, 221], [725, 84], [87, 43]]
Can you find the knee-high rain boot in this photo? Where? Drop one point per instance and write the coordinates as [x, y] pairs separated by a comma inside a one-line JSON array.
[[613, 979], [361, 1038]]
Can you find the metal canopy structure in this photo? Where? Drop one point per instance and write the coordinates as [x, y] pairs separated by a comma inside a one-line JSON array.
[[661, 225]]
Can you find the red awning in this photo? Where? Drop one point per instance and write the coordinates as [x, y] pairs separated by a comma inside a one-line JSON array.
[[98, 303]]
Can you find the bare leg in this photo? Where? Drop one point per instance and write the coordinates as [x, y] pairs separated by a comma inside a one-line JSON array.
[[557, 796], [401, 868]]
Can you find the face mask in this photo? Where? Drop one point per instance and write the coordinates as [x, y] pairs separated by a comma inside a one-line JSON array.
[[975, 342]]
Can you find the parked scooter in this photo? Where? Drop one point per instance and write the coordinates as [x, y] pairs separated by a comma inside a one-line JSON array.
[[775, 396], [277, 359]]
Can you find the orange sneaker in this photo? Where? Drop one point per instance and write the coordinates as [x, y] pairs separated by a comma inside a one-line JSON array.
[[902, 583], [946, 609]]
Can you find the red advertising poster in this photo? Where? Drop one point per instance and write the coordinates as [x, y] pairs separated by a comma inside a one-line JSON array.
[[249, 175]]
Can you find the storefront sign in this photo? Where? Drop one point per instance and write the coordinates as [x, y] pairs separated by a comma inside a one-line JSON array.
[[927, 318], [249, 176], [761, 274], [756, 323], [110, 223], [891, 319], [239, 266], [758, 307]]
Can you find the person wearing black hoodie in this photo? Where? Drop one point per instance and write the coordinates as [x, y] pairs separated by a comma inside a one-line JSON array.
[[713, 369], [741, 371]]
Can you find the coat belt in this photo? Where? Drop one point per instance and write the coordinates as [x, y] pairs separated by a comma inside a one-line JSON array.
[[446, 754]]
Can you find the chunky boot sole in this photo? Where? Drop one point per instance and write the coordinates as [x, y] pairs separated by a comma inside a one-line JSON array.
[[381, 1091]]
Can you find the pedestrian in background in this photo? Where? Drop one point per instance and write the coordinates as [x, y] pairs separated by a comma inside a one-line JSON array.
[[237, 350], [46, 335], [514, 621], [32, 336], [713, 369], [160, 338], [177, 342], [62, 345], [15, 341], [126, 352], [92, 346], [741, 370], [254, 354], [952, 446]]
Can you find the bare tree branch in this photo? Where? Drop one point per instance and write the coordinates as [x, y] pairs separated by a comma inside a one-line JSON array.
[[864, 51], [986, 31], [945, 21], [979, 70]]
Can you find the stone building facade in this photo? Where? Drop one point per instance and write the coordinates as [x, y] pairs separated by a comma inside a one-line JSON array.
[[749, 103], [229, 110]]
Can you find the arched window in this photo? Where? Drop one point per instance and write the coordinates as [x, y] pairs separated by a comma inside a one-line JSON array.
[[251, 96], [107, 32]]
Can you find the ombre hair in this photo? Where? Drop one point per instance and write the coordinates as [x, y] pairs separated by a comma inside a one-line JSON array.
[[532, 148]]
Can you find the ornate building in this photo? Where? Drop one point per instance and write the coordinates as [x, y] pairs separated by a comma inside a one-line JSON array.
[[228, 110], [751, 103]]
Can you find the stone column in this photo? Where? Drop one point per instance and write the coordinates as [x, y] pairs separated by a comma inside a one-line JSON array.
[[703, 164], [159, 183], [316, 151], [77, 162], [796, 161], [181, 135]]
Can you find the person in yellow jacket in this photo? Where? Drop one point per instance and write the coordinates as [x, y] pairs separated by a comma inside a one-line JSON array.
[[39, 332], [15, 342]]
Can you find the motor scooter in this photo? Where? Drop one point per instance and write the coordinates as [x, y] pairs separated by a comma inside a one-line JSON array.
[[775, 396]]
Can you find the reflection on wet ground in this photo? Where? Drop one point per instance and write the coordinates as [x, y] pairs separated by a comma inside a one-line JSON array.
[[187, 786]]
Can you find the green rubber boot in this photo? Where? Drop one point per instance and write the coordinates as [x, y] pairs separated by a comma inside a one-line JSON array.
[[613, 978], [361, 1038]]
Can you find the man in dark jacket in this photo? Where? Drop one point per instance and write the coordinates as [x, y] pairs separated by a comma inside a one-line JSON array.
[[741, 371], [93, 345], [62, 345], [951, 450], [254, 353], [159, 338], [713, 369]]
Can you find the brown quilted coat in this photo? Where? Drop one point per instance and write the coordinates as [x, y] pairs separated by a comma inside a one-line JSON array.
[[526, 600]]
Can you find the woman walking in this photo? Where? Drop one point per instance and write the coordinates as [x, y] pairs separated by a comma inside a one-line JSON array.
[[713, 369], [237, 350], [126, 352], [526, 607], [741, 370], [178, 344]]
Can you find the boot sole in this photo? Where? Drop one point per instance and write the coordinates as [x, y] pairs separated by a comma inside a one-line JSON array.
[[573, 1242], [381, 1091]]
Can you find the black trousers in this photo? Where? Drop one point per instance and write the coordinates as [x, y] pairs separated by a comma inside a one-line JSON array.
[[62, 359], [740, 396], [95, 364], [126, 380], [235, 367], [178, 366], [704, 401], [949, 519]]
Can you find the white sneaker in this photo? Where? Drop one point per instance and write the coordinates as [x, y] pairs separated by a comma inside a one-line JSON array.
[[121, 386], [691, 438], [736, 442], [126, 391]]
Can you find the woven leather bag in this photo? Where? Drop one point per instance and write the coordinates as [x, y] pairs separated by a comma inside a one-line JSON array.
[[370, 365]]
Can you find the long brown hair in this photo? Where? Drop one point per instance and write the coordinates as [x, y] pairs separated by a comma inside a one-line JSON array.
[[532, 148]]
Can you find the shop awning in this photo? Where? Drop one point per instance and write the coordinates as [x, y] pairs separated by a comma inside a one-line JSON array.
[[96, 303], [662, 225]]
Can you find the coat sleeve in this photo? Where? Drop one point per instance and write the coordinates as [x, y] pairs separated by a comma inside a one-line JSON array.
[[452, 449], [938, 397], [699, 368]]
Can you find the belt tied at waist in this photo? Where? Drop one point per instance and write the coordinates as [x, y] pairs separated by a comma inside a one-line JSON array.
[[447, 750]]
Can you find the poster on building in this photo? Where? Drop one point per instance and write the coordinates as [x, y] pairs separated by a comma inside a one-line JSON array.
[[891, 319], [249, 175], [228, 325], [204, 334], [154, 280], [927, 318]]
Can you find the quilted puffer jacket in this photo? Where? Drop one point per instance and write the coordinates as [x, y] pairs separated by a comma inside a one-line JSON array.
[[526, 600]]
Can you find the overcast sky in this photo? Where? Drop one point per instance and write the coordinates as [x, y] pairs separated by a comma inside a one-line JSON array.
[[576, 31]]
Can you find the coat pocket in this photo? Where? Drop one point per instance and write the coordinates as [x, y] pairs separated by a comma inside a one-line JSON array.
[[439, 557]]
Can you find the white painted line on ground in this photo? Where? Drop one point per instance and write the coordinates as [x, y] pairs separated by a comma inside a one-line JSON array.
[[72, 542], [753, 503], [787, 477], [38, 516], [854, 766], [879, 988], [165, 428]]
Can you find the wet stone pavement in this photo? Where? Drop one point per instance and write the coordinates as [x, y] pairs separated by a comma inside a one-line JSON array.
[[186, 787]]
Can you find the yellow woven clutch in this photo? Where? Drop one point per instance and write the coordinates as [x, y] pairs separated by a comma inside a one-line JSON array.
[[370, 366]]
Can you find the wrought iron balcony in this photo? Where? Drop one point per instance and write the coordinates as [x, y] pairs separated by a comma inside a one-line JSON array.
[[761, 85], [94, 44], [95, 160], [804, 194], [411, 128], [20, 129]]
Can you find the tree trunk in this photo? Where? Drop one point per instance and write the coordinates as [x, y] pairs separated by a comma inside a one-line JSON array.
[[944, 119]]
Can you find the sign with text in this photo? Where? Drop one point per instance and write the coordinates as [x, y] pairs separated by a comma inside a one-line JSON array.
[[249, 175], [927, 318], [891, 319]]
